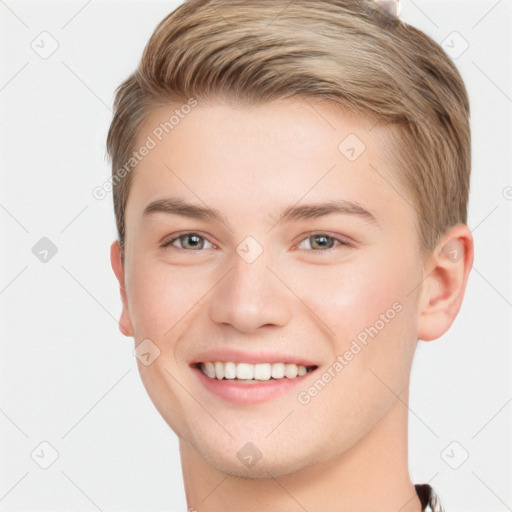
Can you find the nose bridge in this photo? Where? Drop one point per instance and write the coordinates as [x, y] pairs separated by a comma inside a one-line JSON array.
[[250, 296]]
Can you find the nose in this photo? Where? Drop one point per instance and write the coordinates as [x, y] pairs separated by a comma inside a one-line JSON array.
[[250, 296]]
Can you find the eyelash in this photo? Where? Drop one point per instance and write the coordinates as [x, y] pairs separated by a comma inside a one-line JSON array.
[[340, 242]]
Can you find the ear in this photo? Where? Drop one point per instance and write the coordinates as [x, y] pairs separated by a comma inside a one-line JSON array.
[[116, 260], [447, 269]]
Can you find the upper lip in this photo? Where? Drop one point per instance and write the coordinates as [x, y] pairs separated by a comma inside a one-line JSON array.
[[262, 356]]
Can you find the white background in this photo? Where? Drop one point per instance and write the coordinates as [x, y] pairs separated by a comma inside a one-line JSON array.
[[68, 377]]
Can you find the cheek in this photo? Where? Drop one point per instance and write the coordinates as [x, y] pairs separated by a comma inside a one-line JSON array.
[[160, 296], [348, 298], [373, 320], [367, 310]]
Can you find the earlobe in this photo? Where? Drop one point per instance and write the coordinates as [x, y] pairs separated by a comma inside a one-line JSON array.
[[447, 272], [116, 260]]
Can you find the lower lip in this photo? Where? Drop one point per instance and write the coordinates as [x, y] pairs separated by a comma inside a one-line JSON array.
[[241, 393]]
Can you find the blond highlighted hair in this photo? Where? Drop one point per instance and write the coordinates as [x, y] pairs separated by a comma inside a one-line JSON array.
[[344, 51]]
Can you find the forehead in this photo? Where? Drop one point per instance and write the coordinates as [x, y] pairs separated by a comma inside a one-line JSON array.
[[293, 122], [238, 156]]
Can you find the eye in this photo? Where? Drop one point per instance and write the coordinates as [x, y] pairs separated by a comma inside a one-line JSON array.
[[188, 242], [321, 242]]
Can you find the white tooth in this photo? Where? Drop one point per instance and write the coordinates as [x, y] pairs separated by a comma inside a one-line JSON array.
[[290, 371], [262, 371], [219, 370], [244, 371], [277, 370], [250, 373], [230, 370], [209, 369]]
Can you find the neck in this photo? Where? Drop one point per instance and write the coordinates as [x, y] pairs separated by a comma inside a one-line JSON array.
[[372, 475]]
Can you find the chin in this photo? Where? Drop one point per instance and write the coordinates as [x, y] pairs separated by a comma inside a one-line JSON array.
[[262, 469], [248, 460]]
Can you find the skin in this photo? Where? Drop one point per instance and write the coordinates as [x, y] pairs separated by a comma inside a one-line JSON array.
[[297, 297]]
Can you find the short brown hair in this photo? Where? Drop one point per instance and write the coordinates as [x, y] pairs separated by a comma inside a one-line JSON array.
[[344, 51]]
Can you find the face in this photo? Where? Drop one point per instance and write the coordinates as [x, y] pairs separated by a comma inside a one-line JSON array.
[[297, 249]]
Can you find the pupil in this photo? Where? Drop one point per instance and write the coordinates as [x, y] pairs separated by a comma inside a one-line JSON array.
[[323, 244], [196, 240]]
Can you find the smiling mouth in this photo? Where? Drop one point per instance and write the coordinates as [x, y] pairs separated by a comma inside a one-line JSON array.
[[252, 373]]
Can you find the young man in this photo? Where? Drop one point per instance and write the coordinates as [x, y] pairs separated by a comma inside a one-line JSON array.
[[290, 186]]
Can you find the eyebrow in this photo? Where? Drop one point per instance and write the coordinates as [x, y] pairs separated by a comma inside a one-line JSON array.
[[290, 214]]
